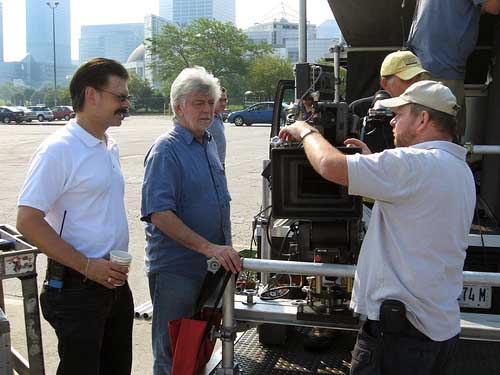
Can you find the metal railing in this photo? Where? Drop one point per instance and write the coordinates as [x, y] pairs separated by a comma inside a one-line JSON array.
[[302, 268]]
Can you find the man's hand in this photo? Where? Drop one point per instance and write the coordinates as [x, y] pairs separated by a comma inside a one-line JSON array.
[[292, 132], [353, 142], [107, 273], [227, 257]]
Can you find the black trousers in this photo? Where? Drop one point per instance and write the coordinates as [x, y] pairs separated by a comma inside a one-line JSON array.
[[406, 353], [93, 325]]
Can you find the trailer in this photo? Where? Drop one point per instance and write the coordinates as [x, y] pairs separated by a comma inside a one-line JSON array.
[[324, 230]]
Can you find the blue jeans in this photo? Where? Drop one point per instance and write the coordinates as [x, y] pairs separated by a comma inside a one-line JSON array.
[[173, 297]]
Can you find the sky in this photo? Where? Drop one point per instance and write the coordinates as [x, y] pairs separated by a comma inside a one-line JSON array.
[[95, 12]]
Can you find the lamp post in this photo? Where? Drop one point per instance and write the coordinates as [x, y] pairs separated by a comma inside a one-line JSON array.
[[53, 5]]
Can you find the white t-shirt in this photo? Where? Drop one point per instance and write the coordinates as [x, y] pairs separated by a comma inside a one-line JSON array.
[[75, 172], [415, 246]]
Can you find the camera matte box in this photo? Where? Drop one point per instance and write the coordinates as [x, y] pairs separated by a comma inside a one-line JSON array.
[[299, 192]]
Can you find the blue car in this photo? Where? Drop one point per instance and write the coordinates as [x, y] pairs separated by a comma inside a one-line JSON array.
[[259, 113]]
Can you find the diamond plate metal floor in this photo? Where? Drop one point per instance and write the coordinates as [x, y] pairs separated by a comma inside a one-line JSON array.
[[472, 357]]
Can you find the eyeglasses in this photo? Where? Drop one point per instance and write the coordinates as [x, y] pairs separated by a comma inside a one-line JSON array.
[[121, 98]]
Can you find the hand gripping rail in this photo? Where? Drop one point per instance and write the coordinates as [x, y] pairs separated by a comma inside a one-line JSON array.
[[317, 269]]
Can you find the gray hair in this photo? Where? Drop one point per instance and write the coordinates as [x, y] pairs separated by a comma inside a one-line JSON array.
[[195, 79]]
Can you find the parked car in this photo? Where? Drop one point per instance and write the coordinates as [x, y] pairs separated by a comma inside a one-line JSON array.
[[29, 115], [9, 114], [43, 113], [225, 113], [261, 113], [63, 112]]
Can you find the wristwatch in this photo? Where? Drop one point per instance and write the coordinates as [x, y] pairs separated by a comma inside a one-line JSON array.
[[304, 133]]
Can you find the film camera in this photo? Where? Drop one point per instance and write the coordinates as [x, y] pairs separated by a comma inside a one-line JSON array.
[[376, 130], [322, 221]]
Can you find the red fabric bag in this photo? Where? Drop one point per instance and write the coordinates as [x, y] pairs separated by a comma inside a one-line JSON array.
[[192, 343], [191, 338]]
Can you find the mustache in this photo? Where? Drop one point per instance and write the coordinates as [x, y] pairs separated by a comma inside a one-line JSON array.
[[122, 112]]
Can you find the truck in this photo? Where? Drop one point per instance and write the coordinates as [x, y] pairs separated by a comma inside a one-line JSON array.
[[306, 219]]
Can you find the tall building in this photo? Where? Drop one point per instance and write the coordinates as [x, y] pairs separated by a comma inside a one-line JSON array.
[[39, 31], [186, 11], [283, 36], [1, 33], [329, 29], [152, 27], [115, 41], [277, 32]]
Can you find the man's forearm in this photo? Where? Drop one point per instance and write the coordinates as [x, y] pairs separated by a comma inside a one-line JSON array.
[[491, 6], [329, 162], [32, 225], [173, 227]]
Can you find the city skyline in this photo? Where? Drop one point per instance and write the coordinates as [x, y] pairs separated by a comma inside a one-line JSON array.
[[132, 11], [39, 32], [1, 32], [186, 11]]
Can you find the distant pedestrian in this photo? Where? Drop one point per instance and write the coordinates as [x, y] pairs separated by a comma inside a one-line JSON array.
[[217, 127]]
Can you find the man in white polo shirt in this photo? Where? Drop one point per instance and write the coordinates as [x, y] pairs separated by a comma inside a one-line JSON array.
[[409, 272], [71, 207]]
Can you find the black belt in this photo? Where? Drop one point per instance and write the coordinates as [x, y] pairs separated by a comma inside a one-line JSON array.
[[72, 279], [374, 328], [75, 280]]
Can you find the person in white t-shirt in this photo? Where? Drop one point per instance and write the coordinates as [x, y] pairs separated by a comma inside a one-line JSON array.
[[409, 272], [71, 207]]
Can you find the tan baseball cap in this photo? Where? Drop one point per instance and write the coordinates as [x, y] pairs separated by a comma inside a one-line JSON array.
[[430, 94], [404, 64]]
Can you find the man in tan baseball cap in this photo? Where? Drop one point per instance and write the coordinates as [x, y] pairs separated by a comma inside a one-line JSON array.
[[400, 70], [425, 111], [424, 195]]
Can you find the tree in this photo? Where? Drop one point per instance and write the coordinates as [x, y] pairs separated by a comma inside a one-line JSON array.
[[265, 72], [143, 94], [139, 88], [221, 48]]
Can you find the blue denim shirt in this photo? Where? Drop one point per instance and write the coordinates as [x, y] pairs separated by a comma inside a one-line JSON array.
[[186, 177], [443, 35], [217, 132]]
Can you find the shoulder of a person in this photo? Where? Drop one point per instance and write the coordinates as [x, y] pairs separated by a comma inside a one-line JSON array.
[[59, 144], [167, 143]]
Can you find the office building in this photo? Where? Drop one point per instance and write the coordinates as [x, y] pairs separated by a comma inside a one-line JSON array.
[[152, 27], [1, 32], [277, 32], [328, 30], [283, 36], [115, 41], [186, 11], [39, 32]]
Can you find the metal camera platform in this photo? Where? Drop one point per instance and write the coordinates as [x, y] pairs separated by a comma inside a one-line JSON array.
[[18, 260]]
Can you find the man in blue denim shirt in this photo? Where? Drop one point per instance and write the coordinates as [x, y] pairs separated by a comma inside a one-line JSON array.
[[185, 204], [217, 127]]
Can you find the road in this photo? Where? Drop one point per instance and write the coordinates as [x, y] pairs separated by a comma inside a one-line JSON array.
[[247, 147]]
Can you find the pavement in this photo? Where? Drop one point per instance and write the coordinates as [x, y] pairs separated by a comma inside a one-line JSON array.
[[246, 148]]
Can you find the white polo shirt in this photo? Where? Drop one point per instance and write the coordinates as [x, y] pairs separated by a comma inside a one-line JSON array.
[[75, 172], [414, 249]]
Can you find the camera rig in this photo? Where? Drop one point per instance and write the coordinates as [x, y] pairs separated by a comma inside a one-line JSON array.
[[311, 219]]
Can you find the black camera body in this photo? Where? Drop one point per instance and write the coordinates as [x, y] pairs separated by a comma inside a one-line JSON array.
[[377, 130]]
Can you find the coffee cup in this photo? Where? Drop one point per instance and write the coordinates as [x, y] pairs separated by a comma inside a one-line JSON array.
[[122, 258]]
